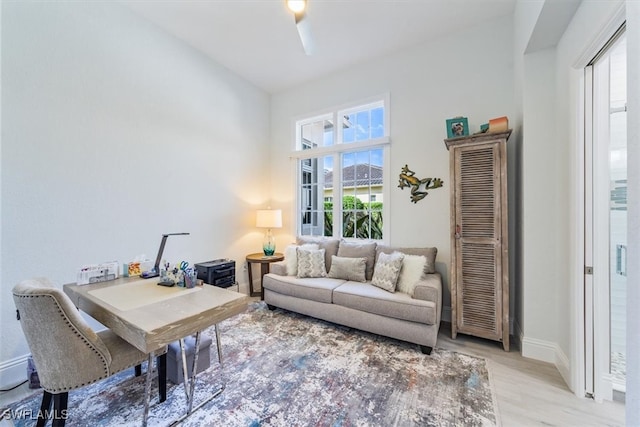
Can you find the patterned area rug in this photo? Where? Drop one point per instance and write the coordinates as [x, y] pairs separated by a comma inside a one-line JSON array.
[[285, 369]]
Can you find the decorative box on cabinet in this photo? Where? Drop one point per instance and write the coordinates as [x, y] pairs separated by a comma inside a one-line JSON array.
[[479, 236]]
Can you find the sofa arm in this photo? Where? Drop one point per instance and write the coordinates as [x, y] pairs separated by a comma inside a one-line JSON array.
[[279, 268], [429, 288]]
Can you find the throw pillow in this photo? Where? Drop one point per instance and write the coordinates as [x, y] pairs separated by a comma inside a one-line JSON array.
[[291, 257], [412, 268], [365, 249], [329, 244], [311, 263], [428, 252], [348, 268], [387, 271]]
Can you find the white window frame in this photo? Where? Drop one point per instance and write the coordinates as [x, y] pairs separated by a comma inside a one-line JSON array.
[[337, 150]]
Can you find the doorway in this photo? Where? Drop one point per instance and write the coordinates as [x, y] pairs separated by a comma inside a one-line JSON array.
[[606, 220]]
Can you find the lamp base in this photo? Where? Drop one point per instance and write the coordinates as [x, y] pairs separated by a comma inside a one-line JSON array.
[[268, 252], [269, 244]]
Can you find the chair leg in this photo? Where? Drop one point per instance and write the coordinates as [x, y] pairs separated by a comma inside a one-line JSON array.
[[138, 369], [45, 407], [162, 377], [60, 401]]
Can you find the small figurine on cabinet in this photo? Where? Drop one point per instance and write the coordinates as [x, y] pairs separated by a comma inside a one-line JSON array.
[[457, 127]]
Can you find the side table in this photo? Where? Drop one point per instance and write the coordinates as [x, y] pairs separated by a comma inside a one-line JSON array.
[[264, 261]]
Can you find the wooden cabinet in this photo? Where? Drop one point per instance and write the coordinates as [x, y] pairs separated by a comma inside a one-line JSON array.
[[479, 236]]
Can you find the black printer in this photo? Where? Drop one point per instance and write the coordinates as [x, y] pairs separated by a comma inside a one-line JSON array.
[[219, 272]]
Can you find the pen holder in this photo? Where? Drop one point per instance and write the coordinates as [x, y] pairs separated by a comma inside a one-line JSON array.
[[172, 276], [190, 279]]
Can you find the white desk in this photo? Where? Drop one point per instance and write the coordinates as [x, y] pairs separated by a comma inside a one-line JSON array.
[[150, 316]]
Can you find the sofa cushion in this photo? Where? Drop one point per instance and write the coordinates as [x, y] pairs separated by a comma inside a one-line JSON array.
[[291, 257], [311, 263], [429, 253], [412, 271], [387, 271], [348, 268], [366, 297], [315, 289], [363, 249], [329, 244]]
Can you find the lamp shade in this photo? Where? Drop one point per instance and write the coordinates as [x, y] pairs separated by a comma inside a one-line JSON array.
[[269, 218]]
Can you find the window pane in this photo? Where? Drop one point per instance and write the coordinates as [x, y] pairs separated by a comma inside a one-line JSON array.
[[377, 122], [315, 134], [348, 128], [328, 133], [362, 194], [315, 185], [363, 124], [363, 130]]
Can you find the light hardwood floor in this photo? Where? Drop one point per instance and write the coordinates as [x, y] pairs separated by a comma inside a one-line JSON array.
[[532, 393], [528, 392]]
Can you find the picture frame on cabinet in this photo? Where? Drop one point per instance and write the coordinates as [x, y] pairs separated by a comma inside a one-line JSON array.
[[457, 127]]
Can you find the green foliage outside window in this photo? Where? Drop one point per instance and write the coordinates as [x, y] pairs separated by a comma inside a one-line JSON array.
[[361, 220]]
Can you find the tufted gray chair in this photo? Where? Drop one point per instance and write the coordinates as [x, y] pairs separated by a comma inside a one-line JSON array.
[[67, 352]]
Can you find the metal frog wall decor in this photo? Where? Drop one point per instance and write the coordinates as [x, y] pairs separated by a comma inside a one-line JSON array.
[[408, 179]]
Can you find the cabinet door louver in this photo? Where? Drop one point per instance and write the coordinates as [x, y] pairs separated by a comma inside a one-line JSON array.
[[478, 224], [479, 267]]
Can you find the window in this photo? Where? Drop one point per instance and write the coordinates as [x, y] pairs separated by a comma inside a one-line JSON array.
[[341, 171]]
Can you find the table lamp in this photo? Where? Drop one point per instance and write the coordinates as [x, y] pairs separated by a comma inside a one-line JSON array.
[[268, 218], [156, 267]]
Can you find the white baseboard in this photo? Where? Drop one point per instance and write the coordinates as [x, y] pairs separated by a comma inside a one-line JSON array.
[[544, 351], [564, 366], [13, 372], [549, 352]]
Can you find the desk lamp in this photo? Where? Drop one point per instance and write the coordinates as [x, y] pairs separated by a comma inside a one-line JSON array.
[[156, 268], [267, 218]]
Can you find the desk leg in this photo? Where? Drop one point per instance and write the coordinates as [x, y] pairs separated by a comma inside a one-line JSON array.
[[194, 371], [190, 383], [147, 388]]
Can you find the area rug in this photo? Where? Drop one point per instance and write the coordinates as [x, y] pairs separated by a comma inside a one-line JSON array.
[[285, 369]]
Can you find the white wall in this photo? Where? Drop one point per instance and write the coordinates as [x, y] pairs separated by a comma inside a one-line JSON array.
[[525, 17], [469, 73], [113, 133], [542, 244], [551, 171]]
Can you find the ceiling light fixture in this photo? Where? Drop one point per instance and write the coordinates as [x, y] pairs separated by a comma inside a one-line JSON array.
[[297, 6]]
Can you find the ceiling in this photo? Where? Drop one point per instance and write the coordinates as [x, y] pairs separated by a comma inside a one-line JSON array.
[[258, 40]]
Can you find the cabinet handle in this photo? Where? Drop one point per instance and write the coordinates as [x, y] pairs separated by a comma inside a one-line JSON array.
[[458, 232]]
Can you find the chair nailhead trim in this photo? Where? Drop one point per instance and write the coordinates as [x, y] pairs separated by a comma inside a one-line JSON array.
[[83, 338]]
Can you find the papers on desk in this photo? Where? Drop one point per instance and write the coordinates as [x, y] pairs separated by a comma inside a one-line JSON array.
[[95, 273]]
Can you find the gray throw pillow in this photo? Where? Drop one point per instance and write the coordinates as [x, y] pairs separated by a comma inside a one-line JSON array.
[[359, 250], [429, 252], [311, 263], [291, 257], [387, 271], [348, 268], [329, 244]]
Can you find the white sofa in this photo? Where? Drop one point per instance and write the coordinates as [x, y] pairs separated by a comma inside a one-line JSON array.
[[412, 316]]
